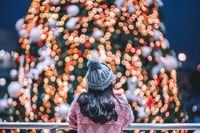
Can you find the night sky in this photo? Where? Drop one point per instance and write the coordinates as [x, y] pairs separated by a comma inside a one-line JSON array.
[[181, 19]]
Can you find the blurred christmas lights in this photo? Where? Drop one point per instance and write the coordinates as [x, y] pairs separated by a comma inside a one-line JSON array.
[[198, 67], [2, 81], [126, 35], [182, 57]]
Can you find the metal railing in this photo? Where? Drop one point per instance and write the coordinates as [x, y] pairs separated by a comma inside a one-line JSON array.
[[133, 126]]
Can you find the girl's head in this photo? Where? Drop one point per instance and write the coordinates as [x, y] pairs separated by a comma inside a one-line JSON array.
[[99, 76], [97, 103]]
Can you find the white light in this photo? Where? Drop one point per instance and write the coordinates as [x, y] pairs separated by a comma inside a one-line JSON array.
[[2, 53], [194, 108], [182, 57], [2, 81]]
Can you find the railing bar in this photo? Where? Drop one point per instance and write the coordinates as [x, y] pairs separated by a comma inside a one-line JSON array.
[[132, 126], [167, 126]]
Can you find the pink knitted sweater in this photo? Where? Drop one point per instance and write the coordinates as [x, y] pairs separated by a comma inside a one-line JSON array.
[[84, 125]]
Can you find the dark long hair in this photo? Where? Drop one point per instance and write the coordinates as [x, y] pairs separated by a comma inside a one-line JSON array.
[[98, 106]]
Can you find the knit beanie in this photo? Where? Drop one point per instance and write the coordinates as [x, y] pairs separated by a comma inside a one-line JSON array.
[[99, 76]]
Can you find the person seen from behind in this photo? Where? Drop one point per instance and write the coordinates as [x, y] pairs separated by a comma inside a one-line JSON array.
[[99, 110]]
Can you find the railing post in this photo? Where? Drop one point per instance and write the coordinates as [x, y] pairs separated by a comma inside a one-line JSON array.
[[53, 130]]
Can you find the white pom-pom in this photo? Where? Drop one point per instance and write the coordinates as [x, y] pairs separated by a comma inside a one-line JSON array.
[[71, 23], [159, 2], [119, 3], [63, 110], [56, 32], [14, 89], [13, 73], [146, 51], [43, 51], [194, 108], [30, 73], [55, 2], [48, 61], [129, 95], [19, 24], [3, 104], [149, 2], [141, 112], [22, 33], [156, 69], [157, 35], [131, 83], [51, 22], [98, 34], [10, 101], [162, 26], [40, 67], [72, 77], [73, 10], [36, 73], [35, 34], [131, 8], [170, 62], [132, 97], [158, 55]]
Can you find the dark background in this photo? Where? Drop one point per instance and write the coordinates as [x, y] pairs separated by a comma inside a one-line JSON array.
[[181, 19]]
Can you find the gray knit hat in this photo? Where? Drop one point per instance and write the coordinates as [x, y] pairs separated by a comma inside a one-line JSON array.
[[99, 76]]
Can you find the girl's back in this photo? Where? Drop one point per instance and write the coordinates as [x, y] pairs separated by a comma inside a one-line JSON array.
[[84, 125]]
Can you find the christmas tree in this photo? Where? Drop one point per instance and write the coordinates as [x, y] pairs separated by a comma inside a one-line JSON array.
[[57, 37]]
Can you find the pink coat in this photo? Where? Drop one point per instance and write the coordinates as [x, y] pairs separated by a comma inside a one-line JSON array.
[[84, 125]]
